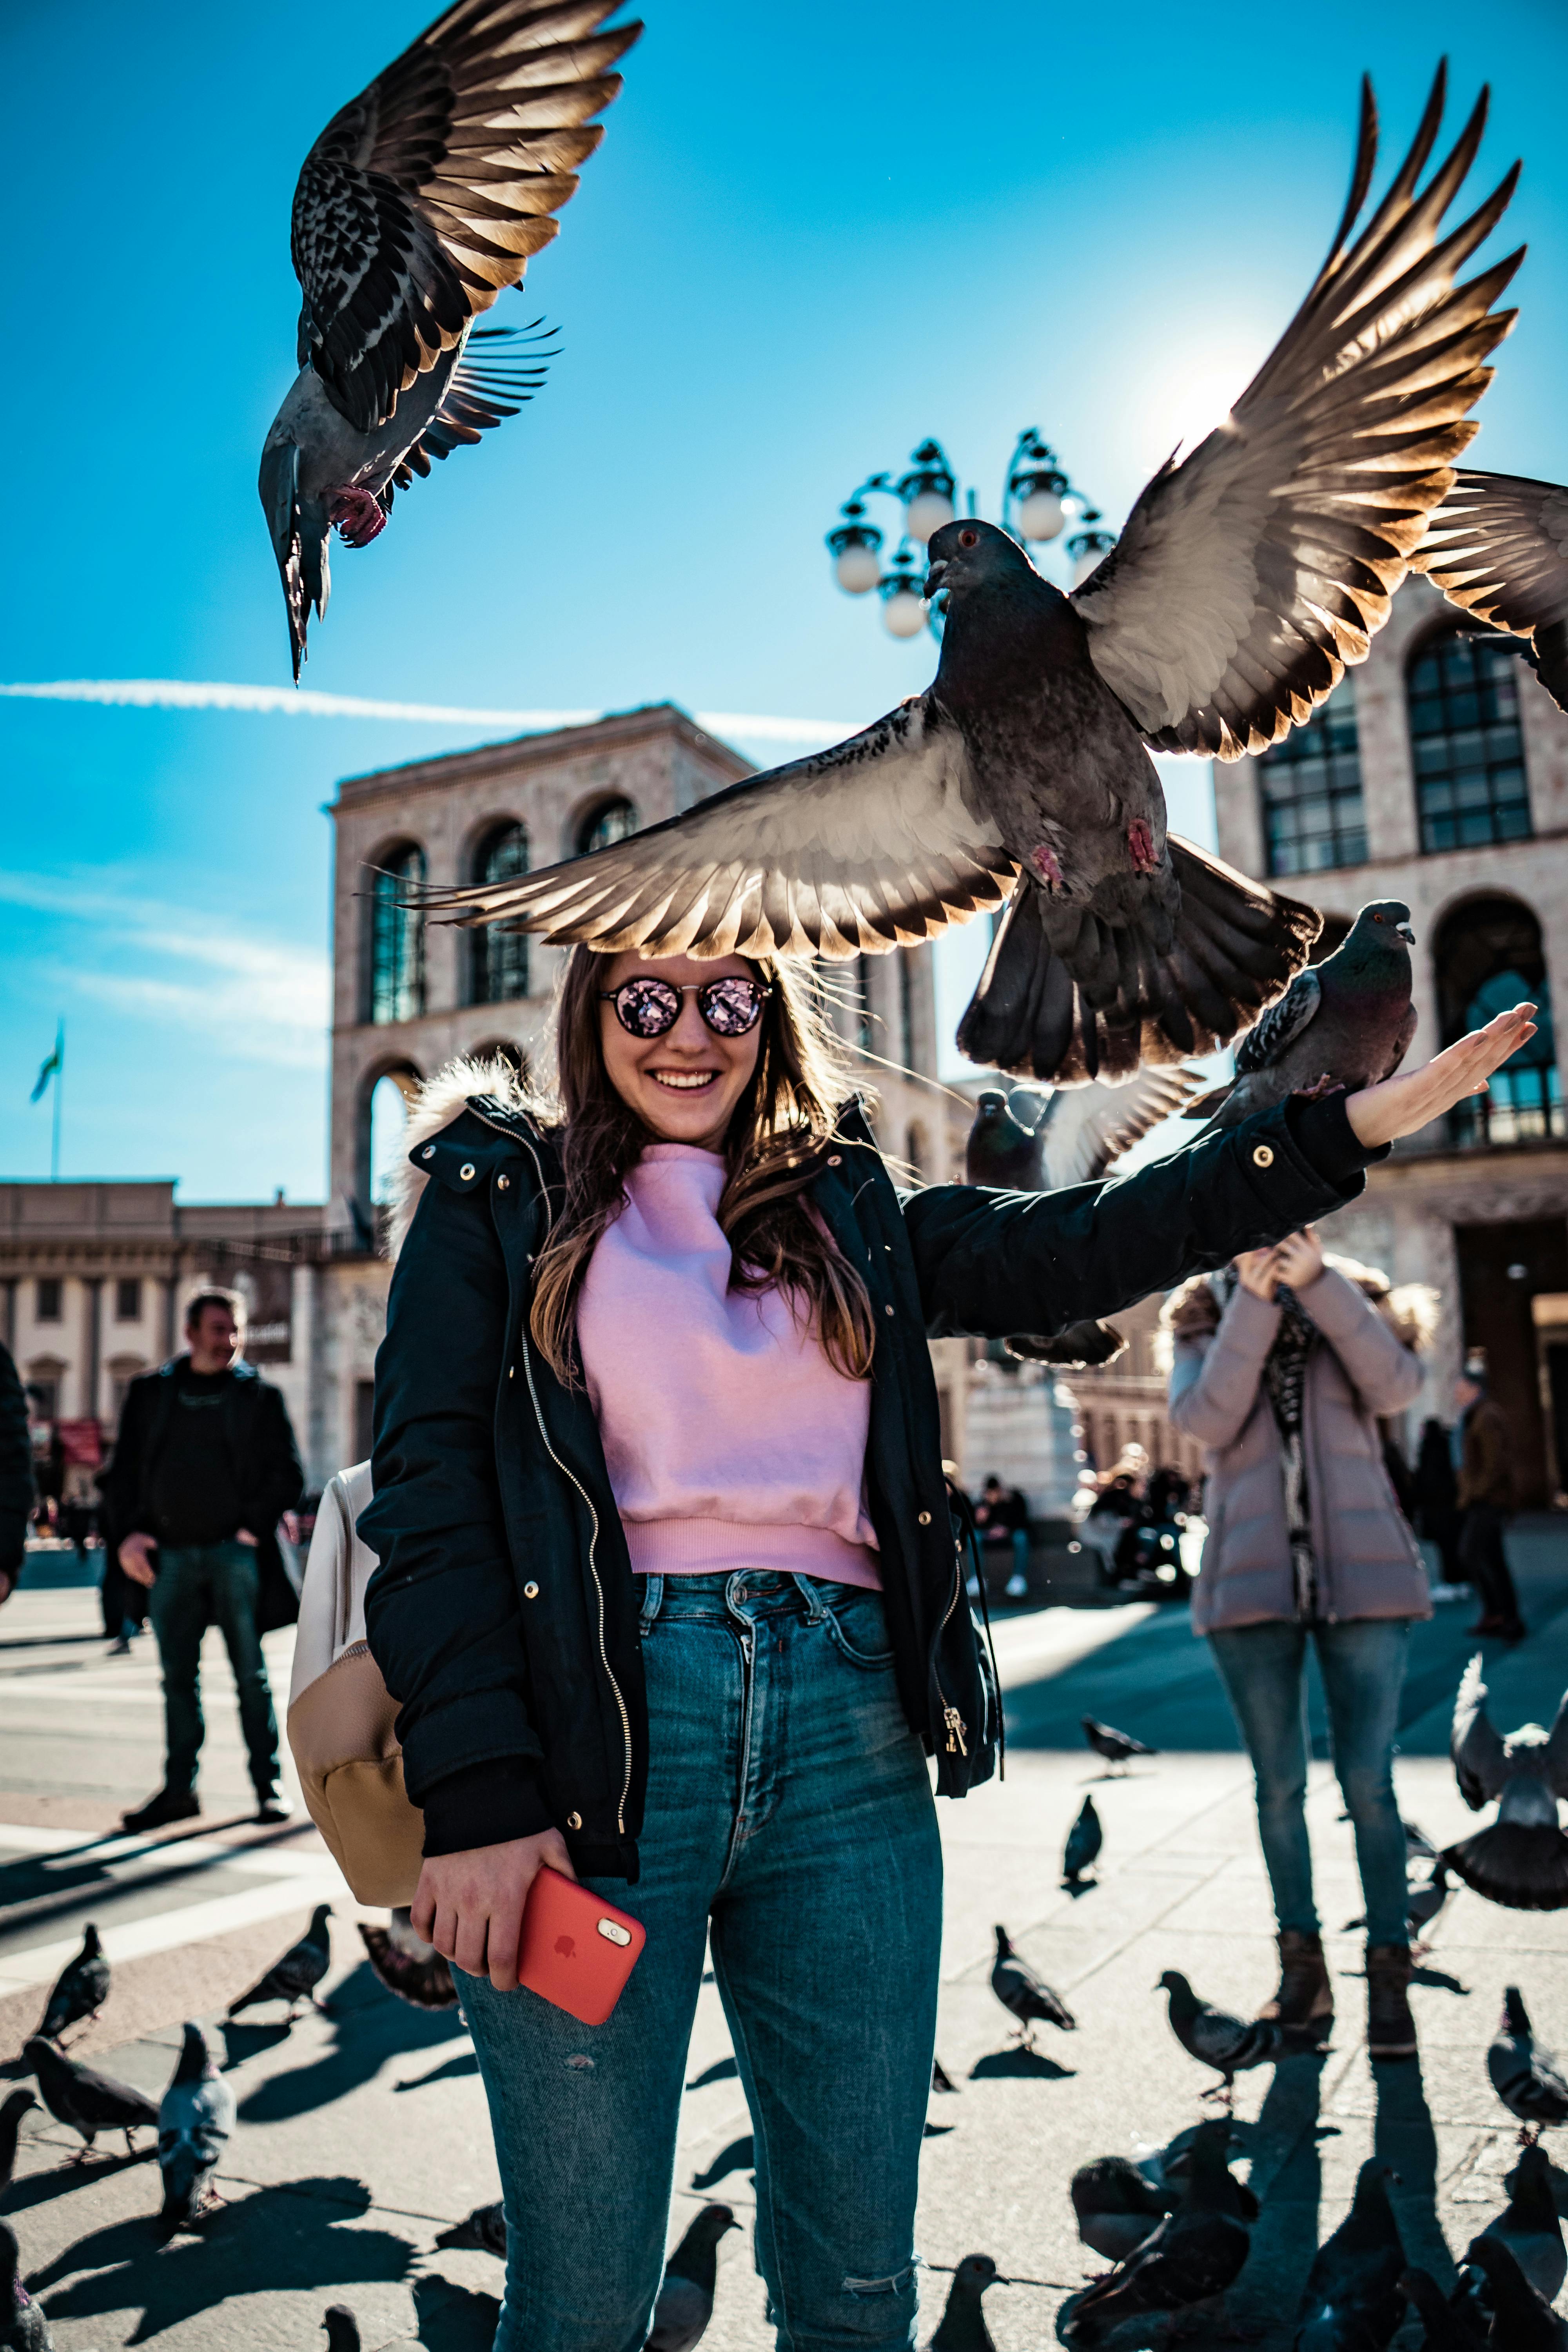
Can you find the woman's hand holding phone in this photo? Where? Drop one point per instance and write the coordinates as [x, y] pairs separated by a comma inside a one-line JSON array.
[[470, 1906]]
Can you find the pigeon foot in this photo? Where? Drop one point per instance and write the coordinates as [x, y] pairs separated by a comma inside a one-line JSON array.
[[1141, 842], [1044, 861], [358, 517]]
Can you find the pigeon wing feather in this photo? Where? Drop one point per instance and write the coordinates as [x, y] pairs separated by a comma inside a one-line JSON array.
[[1280, 1023], [1087, 1128], [1498, 547], [1480, 1761]]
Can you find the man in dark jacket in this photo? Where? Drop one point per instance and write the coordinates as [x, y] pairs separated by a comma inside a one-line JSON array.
[[1485, 1498], [204, 1464], [15, 1475]]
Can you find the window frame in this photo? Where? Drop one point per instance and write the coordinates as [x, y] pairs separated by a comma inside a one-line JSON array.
[[1327, 742], [1497, 760]]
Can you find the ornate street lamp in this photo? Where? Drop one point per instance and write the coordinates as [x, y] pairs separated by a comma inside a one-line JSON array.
[[1038, 503]]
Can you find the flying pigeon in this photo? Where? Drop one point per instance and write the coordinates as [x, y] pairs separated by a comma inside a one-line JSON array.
[[415, 1970], [484, 2230], [87, 2101], [295, 1976], [23, 2327], [684, 2304], [1498, 547], [342, 2326], [1247, 578], [962, 2328], [194, 2124], [1229, 2044], [80, 1990], [1521, 2321], [421, 201], [1352, 2301], [1522, 1860], [1526, 2078], [1084, 1841], [1195, 2253], [1529, 2226], [1448, 2330], [1073, 1139], [1116, 2206], [1344, 1023], [1025, 1995], [16, 2106], [1116, 1746]]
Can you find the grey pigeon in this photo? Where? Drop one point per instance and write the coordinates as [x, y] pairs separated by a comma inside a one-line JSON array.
[[962, 2328], [415, 1970], [421, 201], [23, 2327], [1352, 2301], [1229, 2044], [1115, 2207], [1526, 2078], [1027, 1996], [1418, 1846], [1498, 547], [1521, 1859], [1116, 1746], [1529, 2226], [1521, 2321], [16, 2107], [484, 2228], [1196, 2252], [1425, 1900], [684, 2304], [1245, 578], [1084, 1841], [80, 1990], [1447, 2328], [342, 2326], [89, 2102], [1345, 1023], [295, 1976], [193, 2125]]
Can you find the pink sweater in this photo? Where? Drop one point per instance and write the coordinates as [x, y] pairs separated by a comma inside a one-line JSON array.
[[731, 1440]]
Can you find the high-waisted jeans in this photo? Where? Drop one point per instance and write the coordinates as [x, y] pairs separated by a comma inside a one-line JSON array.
[[790, 1824], [1264, 1670]]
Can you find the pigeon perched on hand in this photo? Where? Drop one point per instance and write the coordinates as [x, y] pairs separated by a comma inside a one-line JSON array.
[[421, 201], [415, 1970], [684, 2304], [1498, 547], [23, 2327], [295, 1976], [85, 2100], [1247, 578], [1346, 1022], [1522, 1860], [1027, 1996], [1351, 2299], [1116, 1746], [484, 2228], [80, 1990], [1521, 2320], [1196, 2252], [193, 2125], [1084, 1841], [1229, 2044], [16, 2107], [1526, 2078], [962, 2328], [1448, 2330]]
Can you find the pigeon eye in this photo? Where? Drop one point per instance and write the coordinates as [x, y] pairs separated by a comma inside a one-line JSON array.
[[969, 538]]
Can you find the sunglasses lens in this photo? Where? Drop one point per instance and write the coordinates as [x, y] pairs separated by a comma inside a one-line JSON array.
[[731, 1007], [647, 1008]]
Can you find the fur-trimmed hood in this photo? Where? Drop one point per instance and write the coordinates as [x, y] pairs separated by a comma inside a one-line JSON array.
[[1411, 1312], [435, 1104]]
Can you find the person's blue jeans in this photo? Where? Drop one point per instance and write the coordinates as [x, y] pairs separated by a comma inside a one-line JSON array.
[[198, 1585], [790, 1822], [1264, 1670]]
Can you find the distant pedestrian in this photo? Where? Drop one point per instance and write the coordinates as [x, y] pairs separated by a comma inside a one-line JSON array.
[[15, 1475], [204, 1467], [1282, 1364], [1485, 1497], [1437, 1502], [1001, 1515]]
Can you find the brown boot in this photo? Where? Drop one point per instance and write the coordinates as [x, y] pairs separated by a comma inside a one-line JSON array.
[[1390, 2028], [1304, 2004]]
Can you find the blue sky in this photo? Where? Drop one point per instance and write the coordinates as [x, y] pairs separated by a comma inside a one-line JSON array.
[[810, 238]]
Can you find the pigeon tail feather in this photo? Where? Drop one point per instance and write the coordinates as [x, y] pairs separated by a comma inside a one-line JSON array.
[[1521, 1866]]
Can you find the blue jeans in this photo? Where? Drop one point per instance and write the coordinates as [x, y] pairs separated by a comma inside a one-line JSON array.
[[1263, 1669], [198, 1585], [790, 1822]]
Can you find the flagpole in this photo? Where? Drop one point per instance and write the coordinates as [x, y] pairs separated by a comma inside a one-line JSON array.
[[59, 1089]]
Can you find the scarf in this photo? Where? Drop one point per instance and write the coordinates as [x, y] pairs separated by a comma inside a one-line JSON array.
[[1285, 1377]]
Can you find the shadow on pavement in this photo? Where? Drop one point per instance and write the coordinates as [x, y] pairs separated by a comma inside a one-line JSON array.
[[1404, 2139], [1019, 2065], [39, 2188], [464, 2064], [369, 2026], [1287, 2179], [738, 2156], [452, 2318]]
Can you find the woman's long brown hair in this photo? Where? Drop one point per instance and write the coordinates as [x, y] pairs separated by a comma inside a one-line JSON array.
[[777, 1141]]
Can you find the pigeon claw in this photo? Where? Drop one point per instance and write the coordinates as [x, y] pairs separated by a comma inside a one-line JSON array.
[[1141, 842], [358, 516], [1045, 863]]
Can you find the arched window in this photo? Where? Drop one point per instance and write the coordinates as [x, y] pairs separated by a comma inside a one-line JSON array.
[[1488, 957], [388, 1121], [498, 969], [396, 937], [609, 820], [1310, 784], [1463, 697]]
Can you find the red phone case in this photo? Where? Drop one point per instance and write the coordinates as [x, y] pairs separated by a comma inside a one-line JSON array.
[[576, 1951]]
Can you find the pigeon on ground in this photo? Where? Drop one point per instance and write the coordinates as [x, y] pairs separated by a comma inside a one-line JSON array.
[[1526, 2078], [1229, 2044], [1418, 1846], [1341, 1024], [89, 2102], [1195, 2253], [193, 2125], [1116, 1746], [1529, 2226], [421, 201], [484, 2230], [1425, 1900], [1498, 547], [23, 2327], [1116, 2206], [415, 1970], [1016, 1146], [1521, 2321], [962, 2328], [1247, 578], [295, 1976], [941, 2080], [1521, 1859], [342, 2326], [16, 2107], [1352, 2302], [1025, 1995], [1448, 2328], [80, 1990], [1084, 1841], [684, 2304]]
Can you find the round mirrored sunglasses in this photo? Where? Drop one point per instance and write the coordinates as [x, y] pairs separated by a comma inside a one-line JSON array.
[[650, 1008]]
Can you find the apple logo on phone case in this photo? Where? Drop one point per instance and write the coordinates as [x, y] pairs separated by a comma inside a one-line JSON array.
[[566, 1945]]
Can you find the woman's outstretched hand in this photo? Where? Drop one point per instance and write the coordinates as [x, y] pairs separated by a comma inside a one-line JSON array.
[[1399, 1105], [469, 1906]]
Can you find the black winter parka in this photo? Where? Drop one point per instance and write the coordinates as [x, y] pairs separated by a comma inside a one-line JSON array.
[[504, 1612]]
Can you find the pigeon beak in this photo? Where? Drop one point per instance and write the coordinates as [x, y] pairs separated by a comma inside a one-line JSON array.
[[1406, 934], [934, 579]]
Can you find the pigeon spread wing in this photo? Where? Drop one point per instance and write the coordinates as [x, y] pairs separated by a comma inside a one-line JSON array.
[[425, 197], [871, 845], [487, 386], [1250, 575], [1498, 547], [1480, 1760], [1087, 1128]]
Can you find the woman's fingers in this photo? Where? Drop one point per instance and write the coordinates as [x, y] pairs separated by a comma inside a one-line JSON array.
[[467, 1952], [505, 1937], [422, 1910], [1381, 1114]]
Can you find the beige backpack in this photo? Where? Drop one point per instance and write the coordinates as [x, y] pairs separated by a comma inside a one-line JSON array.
[[341, 1718]]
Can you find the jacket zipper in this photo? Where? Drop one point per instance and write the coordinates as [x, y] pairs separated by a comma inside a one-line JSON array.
[[949, 1714]]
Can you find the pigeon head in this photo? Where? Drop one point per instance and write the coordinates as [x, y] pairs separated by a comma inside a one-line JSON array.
[[195, 2058], [1515, 2016], [970, 554], [1381, 929]]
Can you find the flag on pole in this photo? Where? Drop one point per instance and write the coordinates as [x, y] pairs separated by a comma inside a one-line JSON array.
[[51, 1068]]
